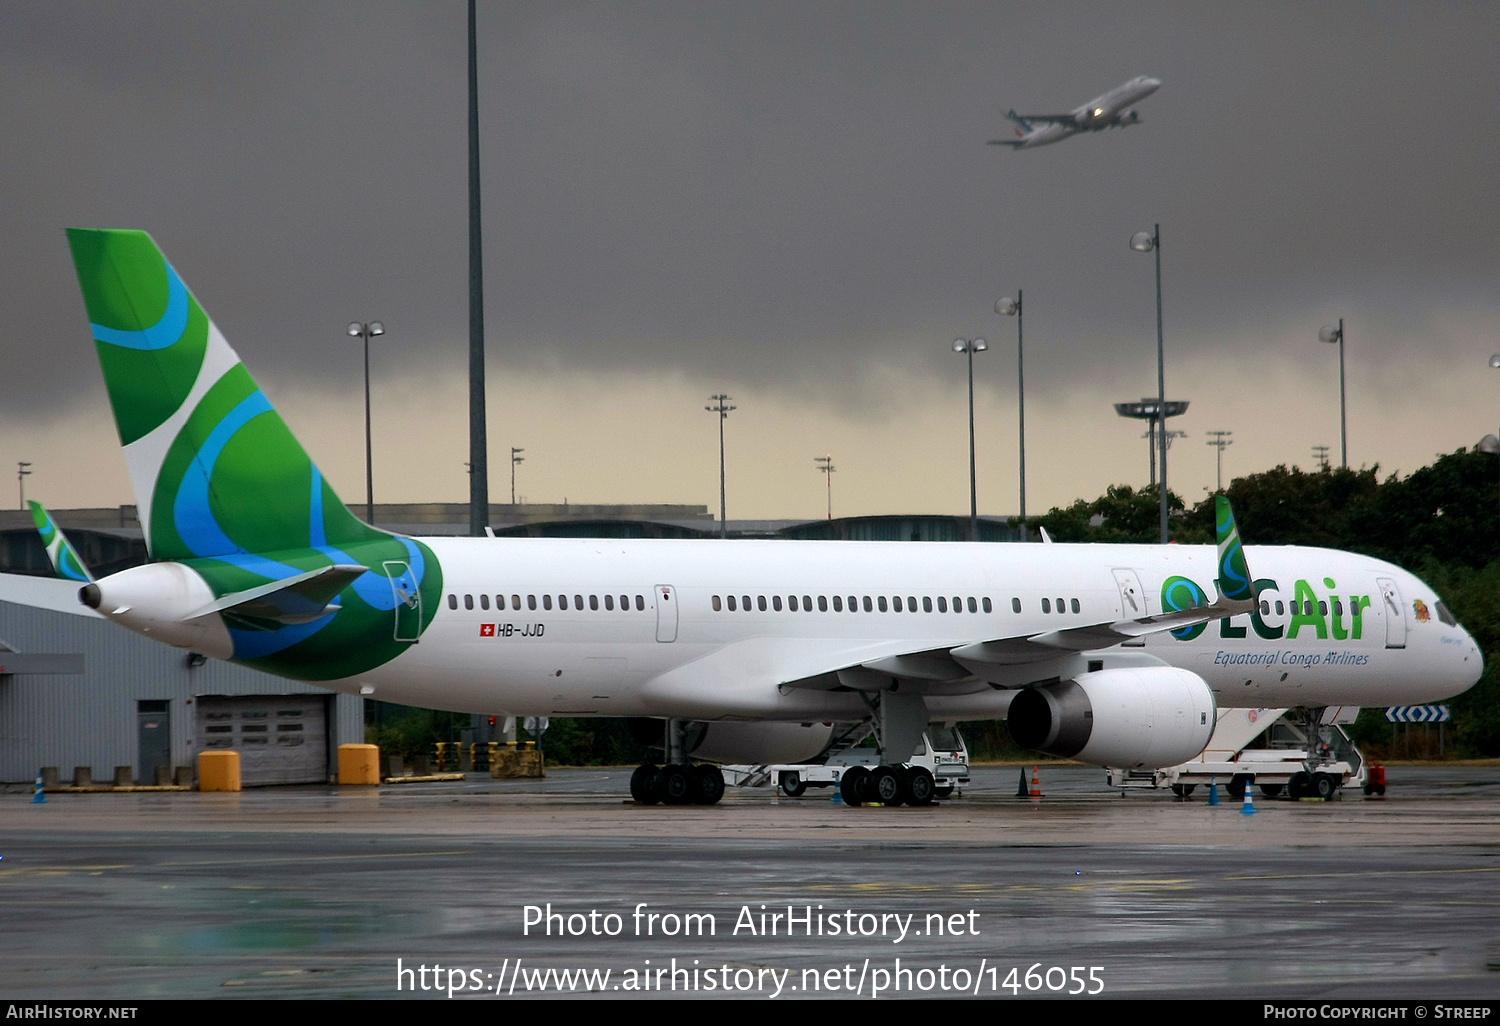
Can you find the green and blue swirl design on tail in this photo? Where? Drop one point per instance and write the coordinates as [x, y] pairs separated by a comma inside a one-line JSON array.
[[1179, 593], [65, 561], [1234, 573], [231, 491]]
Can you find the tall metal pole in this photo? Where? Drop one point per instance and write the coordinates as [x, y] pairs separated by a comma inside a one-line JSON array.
[[825, 464], [479, 473], [21, 475], [515, 457], [1021, 388], [1161, 384], [369, 446], [1343, 403], [973, 486], [722, 410]]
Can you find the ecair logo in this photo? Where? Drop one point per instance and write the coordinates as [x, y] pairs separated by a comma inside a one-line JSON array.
[[1343, 621]]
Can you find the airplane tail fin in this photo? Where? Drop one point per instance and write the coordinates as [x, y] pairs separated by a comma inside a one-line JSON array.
[[1234, 572], [215, 470], [1011, 115], [65, 561]]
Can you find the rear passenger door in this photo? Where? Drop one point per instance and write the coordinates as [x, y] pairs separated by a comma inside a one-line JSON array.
[[666, 613]]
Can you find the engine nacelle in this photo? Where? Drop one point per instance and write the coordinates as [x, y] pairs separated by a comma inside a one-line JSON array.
[[761, 743], [1129, 117], [1144, 717]]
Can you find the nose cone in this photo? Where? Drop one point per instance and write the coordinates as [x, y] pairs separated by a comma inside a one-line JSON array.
[[1473, 660], [1150, 85]]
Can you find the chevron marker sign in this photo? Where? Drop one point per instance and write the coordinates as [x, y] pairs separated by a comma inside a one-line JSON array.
[[1418, 714]]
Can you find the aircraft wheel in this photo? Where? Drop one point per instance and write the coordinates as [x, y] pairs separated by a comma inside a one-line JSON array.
[[708, 785], [1271, 790], [643, 785], [851, 785], [917, 786], [675, 784], [885, 786], [791, 783], [1236, 786], [1324, 786]]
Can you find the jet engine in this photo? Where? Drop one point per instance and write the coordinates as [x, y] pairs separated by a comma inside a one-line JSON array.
[[760, 743], [160, 600], [1143, 717], [1129, 117]]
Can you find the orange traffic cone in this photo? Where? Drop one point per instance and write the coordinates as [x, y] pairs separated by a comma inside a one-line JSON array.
[[1036, 781]]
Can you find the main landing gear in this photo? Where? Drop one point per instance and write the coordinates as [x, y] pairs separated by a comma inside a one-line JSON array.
[[676, 784], [888, 785]]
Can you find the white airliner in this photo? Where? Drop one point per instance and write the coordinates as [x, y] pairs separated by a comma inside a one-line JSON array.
[[750, 651], [1115, 109]]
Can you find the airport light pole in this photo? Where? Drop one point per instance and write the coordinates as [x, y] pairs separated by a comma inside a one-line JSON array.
[[515, 457], [21, 475], [365, 332], [1332, 333], [1008, 307], [825, 464], [1221, 441], [1320, 453], [970, 346], [1489, 443], [1150, 242], [722, 410]]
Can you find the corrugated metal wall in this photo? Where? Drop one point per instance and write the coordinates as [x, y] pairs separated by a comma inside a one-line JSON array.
[[91, 719]]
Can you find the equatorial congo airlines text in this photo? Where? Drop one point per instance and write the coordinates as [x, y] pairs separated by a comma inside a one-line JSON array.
[[808, 921]]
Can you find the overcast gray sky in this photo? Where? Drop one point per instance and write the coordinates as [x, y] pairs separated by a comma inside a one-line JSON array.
[[789, 202]]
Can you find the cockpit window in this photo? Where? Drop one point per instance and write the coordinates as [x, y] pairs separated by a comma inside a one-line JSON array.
[[1446, 616]]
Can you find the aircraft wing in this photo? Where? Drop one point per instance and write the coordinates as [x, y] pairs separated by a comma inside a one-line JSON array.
[[1070, 119], [947, 670]]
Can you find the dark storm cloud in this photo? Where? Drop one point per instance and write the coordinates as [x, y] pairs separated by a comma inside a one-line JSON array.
[[778, 196]]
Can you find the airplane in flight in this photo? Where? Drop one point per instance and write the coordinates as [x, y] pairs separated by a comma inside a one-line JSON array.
[[742, 651], [1115, 109]]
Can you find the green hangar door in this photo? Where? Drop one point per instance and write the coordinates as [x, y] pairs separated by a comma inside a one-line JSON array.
[[282, 739]]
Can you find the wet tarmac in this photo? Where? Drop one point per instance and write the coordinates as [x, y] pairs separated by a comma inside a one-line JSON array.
[[329, 892]]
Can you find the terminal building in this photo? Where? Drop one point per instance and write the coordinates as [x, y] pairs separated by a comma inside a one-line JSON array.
[[80, 692]]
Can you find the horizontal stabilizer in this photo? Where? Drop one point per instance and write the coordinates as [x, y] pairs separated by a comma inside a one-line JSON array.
[[299, 599]]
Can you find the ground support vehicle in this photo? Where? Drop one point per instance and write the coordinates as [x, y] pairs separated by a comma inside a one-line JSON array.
[[1269, 748], [939, 768]]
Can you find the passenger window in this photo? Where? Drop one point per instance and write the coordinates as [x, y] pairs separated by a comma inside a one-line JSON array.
[[452, 601], [731, 604], [1322, 608], [882, 604], [577, 601], [958, 604], [1046, 605], [717, 605], [838, 604], [973, 606], [1015, 605], [1060, 606], [987, 607], [468, 601], [1338, 608], [1278, 607], [746, 600], [562, 602], [624, 603], [853, 604], [640, 603], [823, 603], [869, 606], [530, 601], [1074, 605], [911, 603], [896, 603], [1265, 607], [515, 602], [547, 602], [594, 601], [760, 602], [926, 603], [807, 603], [791, 603], [609, 603], [484, 602], [942, 604], [776, 603]]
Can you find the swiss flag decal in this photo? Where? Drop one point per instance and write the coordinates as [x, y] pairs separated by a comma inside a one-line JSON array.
[[486, 630]]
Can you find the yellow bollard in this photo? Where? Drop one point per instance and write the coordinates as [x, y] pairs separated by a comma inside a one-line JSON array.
[[219, 771], [359, 764]]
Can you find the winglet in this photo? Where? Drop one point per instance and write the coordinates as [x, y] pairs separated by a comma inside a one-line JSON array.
[[65, 561], [1234, 574]]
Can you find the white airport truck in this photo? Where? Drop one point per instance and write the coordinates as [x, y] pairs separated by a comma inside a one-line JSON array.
[[942, 753], [1270, 749]]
